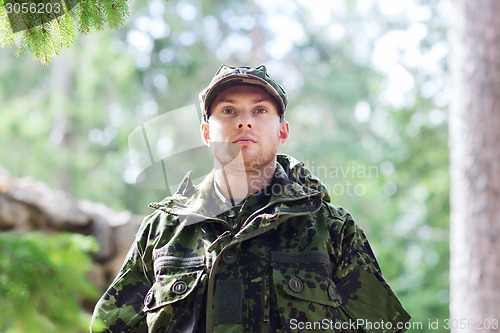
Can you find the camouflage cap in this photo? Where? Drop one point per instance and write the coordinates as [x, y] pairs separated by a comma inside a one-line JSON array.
[[228, 76]]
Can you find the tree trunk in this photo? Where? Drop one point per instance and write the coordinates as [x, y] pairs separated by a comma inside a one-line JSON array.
[[475, 166]]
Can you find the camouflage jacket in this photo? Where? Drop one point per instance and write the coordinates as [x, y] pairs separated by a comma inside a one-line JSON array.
[[285, 262]]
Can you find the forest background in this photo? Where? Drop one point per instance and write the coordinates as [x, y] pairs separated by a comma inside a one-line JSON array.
[[368, 109]]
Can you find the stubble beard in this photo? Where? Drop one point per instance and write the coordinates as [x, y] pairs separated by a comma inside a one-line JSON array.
[[225, 153], [254, 165]]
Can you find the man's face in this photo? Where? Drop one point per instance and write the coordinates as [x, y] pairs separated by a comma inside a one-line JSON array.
[[245, 119]]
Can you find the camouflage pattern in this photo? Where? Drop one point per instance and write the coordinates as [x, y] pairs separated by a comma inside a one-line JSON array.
[[285, 256]]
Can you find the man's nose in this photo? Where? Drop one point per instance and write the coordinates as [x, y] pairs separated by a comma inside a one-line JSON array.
[[245, 121]]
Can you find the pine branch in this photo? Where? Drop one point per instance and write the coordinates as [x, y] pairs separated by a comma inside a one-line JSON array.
[[46, 35], [40, 42], [68, 30], [56, 31]]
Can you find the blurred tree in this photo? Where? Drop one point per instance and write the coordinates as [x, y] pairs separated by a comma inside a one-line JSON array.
[[475, 167]]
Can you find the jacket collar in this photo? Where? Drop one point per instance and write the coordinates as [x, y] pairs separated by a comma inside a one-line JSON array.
[[293, 187]]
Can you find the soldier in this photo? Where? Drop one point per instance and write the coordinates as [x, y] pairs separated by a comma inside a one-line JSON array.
[[257, 246]]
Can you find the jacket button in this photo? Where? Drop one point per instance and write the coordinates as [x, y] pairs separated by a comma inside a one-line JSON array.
[[229, 257], [149, 298], [332, 292], [296, 284], [179, 287]]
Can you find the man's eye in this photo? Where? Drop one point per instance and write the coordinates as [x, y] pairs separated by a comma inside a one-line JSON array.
[[227, 111], [260, 110]]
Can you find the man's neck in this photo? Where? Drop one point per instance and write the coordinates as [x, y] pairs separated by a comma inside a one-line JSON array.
[[236, 184]]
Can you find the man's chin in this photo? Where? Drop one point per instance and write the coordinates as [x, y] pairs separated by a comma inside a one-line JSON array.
[[245, 158], [257, 161]]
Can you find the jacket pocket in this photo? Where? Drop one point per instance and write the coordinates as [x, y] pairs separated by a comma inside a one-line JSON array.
[[173, 304], [306, 296], [172, 288]]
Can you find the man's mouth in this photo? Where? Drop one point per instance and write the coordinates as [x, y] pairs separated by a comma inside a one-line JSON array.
[[244, 140]]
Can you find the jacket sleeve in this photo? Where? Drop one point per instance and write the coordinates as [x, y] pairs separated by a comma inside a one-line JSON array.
[[120, 309], [367, 299]]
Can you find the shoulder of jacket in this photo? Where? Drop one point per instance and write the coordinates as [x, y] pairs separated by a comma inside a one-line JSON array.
[[157, 222], [341, 218], [336, 212]]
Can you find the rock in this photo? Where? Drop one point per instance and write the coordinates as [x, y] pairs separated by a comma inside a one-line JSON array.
[[29, 205]]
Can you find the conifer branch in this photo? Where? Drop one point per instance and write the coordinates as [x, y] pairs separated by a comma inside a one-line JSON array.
[[45, 36]]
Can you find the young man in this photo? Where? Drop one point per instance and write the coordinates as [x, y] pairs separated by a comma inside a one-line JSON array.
[[256, 247]]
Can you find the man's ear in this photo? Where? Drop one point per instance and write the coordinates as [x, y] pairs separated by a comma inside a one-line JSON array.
[[284, 132], [205, 133]]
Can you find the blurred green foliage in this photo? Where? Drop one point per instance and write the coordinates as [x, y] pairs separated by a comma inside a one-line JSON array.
[[43, 280], [380, 145]]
